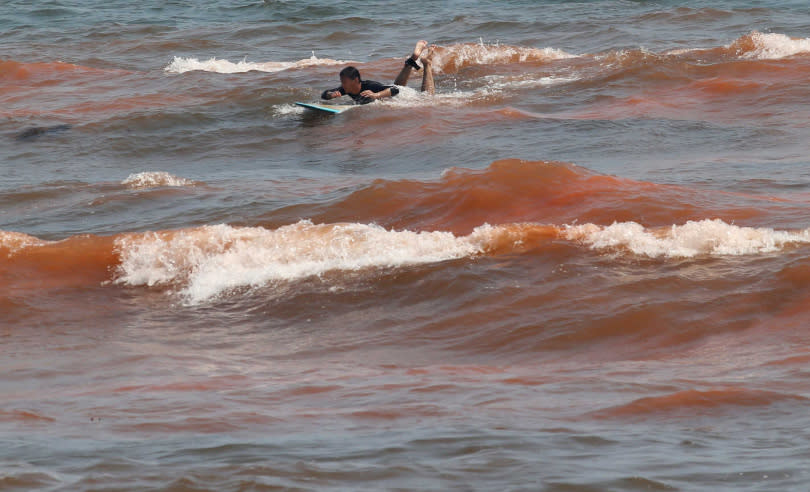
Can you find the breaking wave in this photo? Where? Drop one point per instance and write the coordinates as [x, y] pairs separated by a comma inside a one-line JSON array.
[[154, 179], [182, 65], [704, 237]]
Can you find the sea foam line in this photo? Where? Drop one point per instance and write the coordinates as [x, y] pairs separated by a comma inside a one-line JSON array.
[[206, 262], [694, 238], [210, 260], [182, 65]]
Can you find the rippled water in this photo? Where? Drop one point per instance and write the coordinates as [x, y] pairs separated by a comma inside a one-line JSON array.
[[581, 265]]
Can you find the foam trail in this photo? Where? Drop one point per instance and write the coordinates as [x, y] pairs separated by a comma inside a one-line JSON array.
[[499, 82], [182, 65], [495, 86], [154, 179], [409, 97], [705, 237], [282, 110]]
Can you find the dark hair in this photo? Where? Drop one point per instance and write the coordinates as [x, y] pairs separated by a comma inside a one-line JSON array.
[[350, 73]]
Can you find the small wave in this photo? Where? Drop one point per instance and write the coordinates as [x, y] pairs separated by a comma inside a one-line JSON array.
[[154, 179], [23, 416], [211, 260], [631, 58], [687, 15], [15, 71], [182, 65], [452, 58], [753, 46], [11, 242], [770, 46], [705, 237], [693, 401]]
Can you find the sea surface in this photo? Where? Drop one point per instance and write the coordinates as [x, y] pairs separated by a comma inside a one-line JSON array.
[[582, 265]]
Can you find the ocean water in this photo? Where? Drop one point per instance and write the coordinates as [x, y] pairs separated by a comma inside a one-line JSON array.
[[583, 264]]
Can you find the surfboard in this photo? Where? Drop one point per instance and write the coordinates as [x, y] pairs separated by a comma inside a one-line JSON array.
[[328, 108]]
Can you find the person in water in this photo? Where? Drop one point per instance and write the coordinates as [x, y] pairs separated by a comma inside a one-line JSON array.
[[366, 91]]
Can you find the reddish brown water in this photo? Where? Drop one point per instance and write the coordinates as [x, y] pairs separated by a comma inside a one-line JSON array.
[[580, 266]]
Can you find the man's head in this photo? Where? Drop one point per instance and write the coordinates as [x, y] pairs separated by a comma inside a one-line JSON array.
[[350, 80]]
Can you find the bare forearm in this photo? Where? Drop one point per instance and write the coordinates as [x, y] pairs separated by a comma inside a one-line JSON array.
[[377, 95]]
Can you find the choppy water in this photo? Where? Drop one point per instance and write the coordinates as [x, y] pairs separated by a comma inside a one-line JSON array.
[[581, 265]]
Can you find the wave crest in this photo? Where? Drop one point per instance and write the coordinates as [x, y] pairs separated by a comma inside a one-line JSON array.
[[182, 65], [11, 242], [214, 259], [154, 179], [452, 58], [769, 46], [694, 238]]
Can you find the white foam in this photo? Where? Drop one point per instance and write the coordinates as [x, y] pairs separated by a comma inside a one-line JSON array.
[[153, 179], [681, 51], [287, 109], [182, 65], [494, 87], [206, 262], [501, 83], [773, 46], [409, 97], [454, 56], [705, 237], [13, 242], [770, 46]]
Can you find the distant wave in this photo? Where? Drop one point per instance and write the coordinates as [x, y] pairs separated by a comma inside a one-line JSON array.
[[11, 70], [691, 402], [452, 58], [182, 65], [704, 237], [770, 46], [754, 46], [153, 179]]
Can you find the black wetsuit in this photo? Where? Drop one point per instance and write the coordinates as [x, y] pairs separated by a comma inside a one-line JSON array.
[[365, 85]]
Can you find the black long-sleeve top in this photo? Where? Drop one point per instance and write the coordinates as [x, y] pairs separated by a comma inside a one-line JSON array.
[[365, 85]]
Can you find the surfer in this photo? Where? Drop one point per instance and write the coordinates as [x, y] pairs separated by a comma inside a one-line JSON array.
[[366, 91]]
